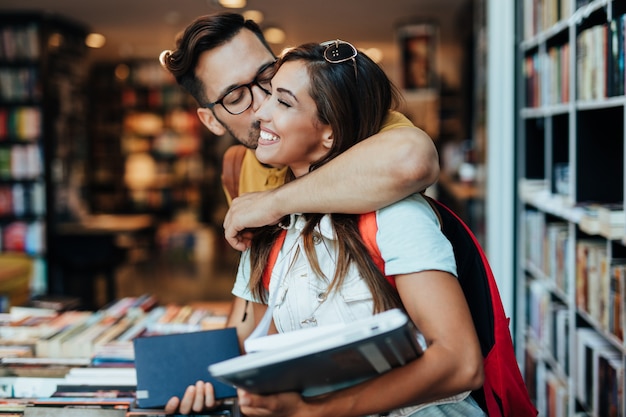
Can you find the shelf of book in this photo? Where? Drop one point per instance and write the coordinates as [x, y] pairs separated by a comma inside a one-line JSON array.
[[571, 253], [145, 127], [42, 128]]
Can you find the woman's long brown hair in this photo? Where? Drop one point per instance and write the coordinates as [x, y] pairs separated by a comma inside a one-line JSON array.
[[355, 107]]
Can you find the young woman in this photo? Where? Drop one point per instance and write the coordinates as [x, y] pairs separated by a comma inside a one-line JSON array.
[[324, 99]]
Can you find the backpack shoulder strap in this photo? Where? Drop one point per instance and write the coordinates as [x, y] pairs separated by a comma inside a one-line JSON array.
[[231, 169], [271, 259], [368, 227]]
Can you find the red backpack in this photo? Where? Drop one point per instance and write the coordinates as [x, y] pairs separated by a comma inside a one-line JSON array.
[[504, 392]]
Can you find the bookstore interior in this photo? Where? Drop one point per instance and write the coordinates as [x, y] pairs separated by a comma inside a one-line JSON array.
[[111, 201]]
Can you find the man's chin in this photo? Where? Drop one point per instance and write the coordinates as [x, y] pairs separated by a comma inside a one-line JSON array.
[[252, 141]]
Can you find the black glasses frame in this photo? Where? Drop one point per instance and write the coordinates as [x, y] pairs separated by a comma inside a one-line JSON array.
[[338, 51], [249, 86]]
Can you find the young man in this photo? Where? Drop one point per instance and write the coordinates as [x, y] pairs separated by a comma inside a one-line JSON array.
[[225, 63]]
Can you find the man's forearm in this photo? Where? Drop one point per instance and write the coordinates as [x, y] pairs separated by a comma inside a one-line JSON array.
[[374, 173]]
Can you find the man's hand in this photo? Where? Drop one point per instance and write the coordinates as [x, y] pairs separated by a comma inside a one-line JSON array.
[[249, 211], [197, 398]]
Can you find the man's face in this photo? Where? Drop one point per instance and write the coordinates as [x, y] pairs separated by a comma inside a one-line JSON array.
[[221, 69]]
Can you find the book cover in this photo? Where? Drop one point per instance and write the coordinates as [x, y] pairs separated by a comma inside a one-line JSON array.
[[167, 364]]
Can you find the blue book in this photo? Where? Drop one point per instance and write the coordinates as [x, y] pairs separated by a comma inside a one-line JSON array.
[[167, 364]]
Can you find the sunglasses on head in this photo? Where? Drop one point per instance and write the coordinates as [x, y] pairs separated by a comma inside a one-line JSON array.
[[339, 51]]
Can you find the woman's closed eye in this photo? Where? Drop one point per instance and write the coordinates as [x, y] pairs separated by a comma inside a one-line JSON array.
[[284, 103]]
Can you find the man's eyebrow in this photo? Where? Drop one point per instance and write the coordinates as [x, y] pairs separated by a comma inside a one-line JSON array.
[[233, 86]]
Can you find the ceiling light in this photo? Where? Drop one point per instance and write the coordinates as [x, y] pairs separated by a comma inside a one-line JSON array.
[[255, 15], [233, 4], [95, 40], [122, 71], [274, 35], [55, 40]]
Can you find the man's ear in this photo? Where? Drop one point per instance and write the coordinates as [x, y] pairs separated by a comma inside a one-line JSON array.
[[210, 121]]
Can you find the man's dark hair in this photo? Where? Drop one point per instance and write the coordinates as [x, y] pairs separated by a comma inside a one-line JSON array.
[[203, 34]]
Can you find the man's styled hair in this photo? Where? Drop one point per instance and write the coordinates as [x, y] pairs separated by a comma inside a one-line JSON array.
[[203, 34]]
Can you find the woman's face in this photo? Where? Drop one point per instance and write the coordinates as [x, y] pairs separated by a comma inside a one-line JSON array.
[[291, 133]]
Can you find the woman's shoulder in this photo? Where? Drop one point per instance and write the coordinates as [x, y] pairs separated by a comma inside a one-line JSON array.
[[417, 202], [414, 208]]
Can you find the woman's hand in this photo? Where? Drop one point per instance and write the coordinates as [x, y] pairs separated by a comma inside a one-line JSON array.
[[278, 405], [197, 398]]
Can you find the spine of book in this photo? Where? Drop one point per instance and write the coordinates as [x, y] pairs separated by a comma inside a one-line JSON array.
[[80, 346], [55, 344], [140, 326], [114, 331], [64, 322]]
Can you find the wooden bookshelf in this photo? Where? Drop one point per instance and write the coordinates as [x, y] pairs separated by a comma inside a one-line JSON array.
[[141, 118], [571, 231], [42, 132]]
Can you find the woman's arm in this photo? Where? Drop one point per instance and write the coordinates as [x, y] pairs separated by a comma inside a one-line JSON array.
[[452, 364], [372, 174]]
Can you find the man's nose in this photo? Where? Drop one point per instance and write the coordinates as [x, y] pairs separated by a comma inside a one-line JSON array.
[[260, 110]]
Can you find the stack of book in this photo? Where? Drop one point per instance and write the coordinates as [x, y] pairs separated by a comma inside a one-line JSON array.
[[43, 351]]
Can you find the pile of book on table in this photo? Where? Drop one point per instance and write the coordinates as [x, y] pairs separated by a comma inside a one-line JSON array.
[[54, 359]]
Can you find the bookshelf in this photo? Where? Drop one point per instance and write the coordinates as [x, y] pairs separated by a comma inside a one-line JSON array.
[[149, 152], [42, 132], [570, 194]]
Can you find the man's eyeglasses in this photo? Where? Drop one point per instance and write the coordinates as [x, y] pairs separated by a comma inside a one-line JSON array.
[[338, 51], [239, 99]]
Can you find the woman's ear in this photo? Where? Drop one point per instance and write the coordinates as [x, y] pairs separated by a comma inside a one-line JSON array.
[[328, 138], [210, 121]]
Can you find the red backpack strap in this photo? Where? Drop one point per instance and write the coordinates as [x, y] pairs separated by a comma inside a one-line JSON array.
[[368, 229], [271, 260], [231, 169]]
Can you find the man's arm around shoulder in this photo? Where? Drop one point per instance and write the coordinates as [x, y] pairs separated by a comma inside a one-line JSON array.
[[376, 172]]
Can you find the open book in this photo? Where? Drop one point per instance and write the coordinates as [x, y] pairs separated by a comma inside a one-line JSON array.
[[318, 360]]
